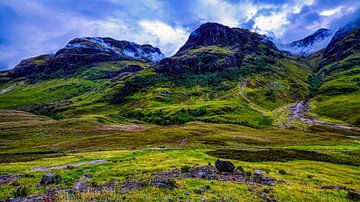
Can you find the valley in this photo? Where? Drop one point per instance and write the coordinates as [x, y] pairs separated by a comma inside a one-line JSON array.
[[111, 120]]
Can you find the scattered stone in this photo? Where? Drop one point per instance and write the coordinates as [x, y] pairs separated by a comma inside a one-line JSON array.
[[334, 187], [168, 183], [50, 179], [168, 199], [224, 166], [269, 181], [70, 167], [258, 172], [268, 190], [7, 178], [258, 176], [251, 188], [354, 195], [202, 190], [202, 175], [281, 181]]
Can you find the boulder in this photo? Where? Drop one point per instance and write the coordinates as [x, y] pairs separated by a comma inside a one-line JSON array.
[[50, 179], [224, 166]]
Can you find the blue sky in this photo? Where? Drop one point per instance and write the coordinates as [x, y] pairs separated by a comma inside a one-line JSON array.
[[33, 27]]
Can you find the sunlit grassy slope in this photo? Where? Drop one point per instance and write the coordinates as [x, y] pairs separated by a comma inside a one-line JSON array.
[[147, 96], [339, 93]]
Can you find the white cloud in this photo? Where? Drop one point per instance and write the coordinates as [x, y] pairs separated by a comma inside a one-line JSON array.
[[277, 21], [169, 38], [273, 23]]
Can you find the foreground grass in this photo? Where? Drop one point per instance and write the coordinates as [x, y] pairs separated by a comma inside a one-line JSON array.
[[303, 180], [136, 151]]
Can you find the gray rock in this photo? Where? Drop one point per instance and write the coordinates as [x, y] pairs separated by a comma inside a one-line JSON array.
[[50, 179], [202, 175], [258, 173], [251, 188], [281, 181]]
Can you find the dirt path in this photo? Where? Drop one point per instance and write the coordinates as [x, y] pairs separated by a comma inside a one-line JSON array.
[[8, 89], [242, 91], [70, 165], [299, 109]]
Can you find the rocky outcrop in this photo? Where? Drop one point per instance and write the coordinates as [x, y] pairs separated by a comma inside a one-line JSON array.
[[50, 179], [215, 47], [81, 52]]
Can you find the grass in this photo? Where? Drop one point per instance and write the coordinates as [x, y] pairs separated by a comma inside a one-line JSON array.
[[28, 141], [126, 163], [339, 92], [144, 122], [282, 155]]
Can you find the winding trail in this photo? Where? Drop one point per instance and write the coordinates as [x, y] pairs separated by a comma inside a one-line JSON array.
[[299, 109], [242, 91], [70, 165]]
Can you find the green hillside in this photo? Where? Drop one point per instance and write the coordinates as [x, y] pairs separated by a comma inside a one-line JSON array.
[[339, 74]]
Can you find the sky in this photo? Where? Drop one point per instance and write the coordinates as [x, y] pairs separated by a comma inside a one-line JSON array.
[[33, 27]]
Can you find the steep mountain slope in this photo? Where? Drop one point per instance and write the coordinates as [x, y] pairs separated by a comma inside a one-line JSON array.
[[310, 44], [83, 73], [339, 75], [221, 74]]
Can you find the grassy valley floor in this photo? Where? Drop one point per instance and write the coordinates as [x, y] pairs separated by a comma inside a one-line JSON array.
[[124, 161]]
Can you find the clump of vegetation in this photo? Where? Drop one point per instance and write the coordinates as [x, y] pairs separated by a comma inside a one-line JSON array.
[[281, 155], [21, 191], [185, 168], [282, 172], [241, 169]]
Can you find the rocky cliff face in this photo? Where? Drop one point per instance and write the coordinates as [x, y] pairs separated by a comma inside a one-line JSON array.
[[214, 47], [86, 51]]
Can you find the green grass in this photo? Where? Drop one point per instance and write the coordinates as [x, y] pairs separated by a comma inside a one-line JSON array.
[[303, 182], [28, 141], [339, 94]]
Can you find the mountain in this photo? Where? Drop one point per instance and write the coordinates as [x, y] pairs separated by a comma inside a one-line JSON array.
[[338, 73], [221, 74], [309, 44], [86, 51], [218, 47]]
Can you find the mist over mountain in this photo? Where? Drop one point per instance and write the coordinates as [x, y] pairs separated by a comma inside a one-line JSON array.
[[310, 44]]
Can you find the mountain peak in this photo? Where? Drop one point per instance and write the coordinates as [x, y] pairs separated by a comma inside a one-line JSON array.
[[312, 43], [86, 51], [210, 34], [215, 47], [117, 48]]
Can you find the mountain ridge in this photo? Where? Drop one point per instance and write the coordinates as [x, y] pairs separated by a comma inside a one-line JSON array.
[[310, 44]]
